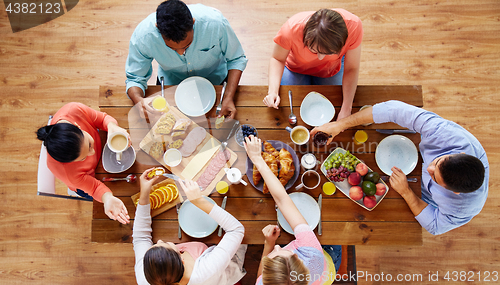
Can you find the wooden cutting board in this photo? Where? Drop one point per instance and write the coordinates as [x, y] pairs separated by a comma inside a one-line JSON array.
[[167, 205], [202, 160]]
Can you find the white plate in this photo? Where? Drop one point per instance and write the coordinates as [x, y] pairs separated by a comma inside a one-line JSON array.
[[396, 150], [316, 109], [195, 96], [194, 222], [278, 145], [307, 206], [111, 165]]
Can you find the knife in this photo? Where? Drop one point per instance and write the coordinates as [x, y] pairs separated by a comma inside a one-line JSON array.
[[223, 145], [177, 207], [223, 206], [385, 178], [168, 175], [390, 132], [320, 202]]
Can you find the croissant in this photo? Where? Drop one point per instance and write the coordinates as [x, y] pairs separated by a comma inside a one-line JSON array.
[[287, 167], [272, 162], [256, 176]]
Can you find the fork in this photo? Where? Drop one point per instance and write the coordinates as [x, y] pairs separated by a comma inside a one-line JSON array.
[[219, 107]]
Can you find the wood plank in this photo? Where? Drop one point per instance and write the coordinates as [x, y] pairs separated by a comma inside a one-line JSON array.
[[251, 96], [254, 209], [352, 233]]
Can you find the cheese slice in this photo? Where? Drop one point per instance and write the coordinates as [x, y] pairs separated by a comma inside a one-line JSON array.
[[200, 160]]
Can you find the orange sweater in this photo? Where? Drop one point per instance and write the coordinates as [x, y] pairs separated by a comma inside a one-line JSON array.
[[81, 174]]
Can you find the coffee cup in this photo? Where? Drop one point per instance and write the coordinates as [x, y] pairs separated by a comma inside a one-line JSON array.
[[118, 143], [309, 180], [234, 176], [172, 157], [299, 135]]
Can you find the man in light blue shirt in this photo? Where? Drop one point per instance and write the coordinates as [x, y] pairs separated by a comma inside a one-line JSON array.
[[455, 168], [186, 41]]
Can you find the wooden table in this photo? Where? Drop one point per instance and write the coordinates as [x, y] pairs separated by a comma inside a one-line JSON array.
[[344, 222]]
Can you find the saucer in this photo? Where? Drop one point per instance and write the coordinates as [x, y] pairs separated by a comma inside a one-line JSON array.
[[112, 165]]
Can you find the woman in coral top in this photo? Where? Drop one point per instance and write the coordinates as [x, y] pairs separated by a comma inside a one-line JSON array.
[[320, 48], [74, 150]]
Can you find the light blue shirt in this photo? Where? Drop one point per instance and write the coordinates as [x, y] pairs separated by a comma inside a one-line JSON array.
[[446, 210], [215, 50]]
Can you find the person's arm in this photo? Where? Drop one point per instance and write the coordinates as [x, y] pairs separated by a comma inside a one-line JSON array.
[[219, 258], [271, 234], [228, 107], [400, 184], [292, 215], [138, 70], [141, 236], [349, 80], [335, 128], [276, 67]]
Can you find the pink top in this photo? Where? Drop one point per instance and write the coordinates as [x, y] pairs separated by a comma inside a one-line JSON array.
[[305, 238], [194, 248], [301, 59], [81, 174]]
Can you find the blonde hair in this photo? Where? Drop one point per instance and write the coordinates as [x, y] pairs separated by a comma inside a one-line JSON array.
[[278, 270]]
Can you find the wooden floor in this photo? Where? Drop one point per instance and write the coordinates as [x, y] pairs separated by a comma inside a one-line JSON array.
[[451, 48]]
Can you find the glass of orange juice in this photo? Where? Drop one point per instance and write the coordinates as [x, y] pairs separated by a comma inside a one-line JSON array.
[[222, 187], [360, 137], [329, 188], [160, 104]]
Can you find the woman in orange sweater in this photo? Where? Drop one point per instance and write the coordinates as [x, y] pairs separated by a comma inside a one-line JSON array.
[[74, 149]]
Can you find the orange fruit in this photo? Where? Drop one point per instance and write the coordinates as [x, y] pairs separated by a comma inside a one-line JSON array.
[[176, 192], [152, 202], [164, 191], [156, 199], [161, 194], [171, 191]]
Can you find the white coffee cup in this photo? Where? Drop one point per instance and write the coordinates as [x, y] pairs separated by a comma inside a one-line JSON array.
[[118, 143], [172, 157], [314, 174], [234, 176], [297, 134]]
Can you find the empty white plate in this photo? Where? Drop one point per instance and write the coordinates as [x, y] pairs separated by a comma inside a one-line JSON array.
[[194, 222], [307, 206], [396, 150], [195, 96], [316, 109]]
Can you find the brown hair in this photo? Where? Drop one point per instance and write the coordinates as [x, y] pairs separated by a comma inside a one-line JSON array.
[[163, 266], [278, 270], [326, 32]]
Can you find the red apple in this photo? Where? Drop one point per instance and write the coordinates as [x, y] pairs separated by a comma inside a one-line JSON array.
[[362, 169], [356, 193], [370, 201], [380, 189], [354, 178]]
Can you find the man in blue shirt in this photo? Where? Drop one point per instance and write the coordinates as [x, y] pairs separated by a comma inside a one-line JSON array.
[[186, 41], [455, 168]]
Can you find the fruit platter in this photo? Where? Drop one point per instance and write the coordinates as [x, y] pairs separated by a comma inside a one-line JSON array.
[[354, 178]]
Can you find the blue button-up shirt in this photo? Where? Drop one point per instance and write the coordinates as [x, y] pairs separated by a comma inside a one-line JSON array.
[[215, 50], [446, 210]]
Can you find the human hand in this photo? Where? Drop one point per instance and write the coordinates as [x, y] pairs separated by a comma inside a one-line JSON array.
[[333, 129], [115, 209], [272, 100], [147, 183], [114, 128], [344, 112], [271, 234], [191, 188], [253, 147], [228, 109], [398, 181]]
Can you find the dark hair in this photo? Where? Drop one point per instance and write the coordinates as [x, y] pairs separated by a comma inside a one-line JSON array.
[[462, 173], [63, 141], [326, 32], [174, 20], [163, 266]]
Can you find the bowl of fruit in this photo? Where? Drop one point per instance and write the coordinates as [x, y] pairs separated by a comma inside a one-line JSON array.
[[243, 132], [354, 178]]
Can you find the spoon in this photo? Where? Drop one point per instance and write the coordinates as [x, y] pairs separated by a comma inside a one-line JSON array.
[[292, 119], [130, 178]]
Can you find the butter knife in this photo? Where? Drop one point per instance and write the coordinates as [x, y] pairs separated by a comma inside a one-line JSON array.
[[177, 207], [320, 202], [390, 132], [168, 175], [223, 206]]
